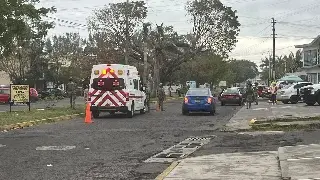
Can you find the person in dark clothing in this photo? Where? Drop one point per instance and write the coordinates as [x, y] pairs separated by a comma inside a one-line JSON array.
[[255, 92], [249, 95], [72, 92], [161, 96]]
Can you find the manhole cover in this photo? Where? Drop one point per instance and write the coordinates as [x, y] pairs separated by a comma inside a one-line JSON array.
[[180, 150]]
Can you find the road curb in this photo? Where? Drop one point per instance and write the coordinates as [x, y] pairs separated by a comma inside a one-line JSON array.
[[166, 172], [37, 122]]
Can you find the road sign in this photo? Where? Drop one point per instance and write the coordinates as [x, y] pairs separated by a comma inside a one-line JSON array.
[[19, 94]]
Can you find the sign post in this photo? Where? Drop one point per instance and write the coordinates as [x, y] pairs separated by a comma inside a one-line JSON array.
[[19, 94]]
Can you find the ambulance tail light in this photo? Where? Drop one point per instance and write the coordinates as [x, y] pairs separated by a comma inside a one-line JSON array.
[[127, 96]]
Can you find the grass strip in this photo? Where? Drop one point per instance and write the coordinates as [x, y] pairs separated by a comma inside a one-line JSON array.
[[289, 127], [14, 117], [285, 119]]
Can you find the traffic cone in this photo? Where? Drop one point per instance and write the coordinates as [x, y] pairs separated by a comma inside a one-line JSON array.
[[88, 118]]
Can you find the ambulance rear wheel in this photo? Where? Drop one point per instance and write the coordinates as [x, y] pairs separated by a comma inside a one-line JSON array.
[[95, 114], [130, 113]]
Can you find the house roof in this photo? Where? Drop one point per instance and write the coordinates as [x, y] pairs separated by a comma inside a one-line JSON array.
[[308, 45]]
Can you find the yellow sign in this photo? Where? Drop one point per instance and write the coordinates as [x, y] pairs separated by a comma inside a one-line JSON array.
[[20, 93], [120, 72]]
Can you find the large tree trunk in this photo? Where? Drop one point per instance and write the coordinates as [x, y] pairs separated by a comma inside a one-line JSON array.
[[156, 75]]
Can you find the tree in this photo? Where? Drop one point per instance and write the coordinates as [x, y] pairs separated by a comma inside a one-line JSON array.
[[206, 68], [66, 58], [109, 25], [24, 23], [284, 64], [21, 37], [243, 69], [215, 26]]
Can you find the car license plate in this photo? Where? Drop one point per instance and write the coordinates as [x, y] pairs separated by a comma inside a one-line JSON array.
[[197, 101]]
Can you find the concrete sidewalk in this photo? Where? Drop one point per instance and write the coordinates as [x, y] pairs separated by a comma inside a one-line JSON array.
[[300, 162], [244, 166], [265, 111]]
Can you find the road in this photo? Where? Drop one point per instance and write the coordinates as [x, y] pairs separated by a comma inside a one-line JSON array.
[[117, 147]]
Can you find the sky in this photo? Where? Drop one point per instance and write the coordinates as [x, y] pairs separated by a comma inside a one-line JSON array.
[[296, 21]]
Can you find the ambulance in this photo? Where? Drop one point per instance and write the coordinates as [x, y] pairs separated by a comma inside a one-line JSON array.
[[116, 88]]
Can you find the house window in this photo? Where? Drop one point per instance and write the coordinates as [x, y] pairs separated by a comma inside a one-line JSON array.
[[136, 84], [310, 57], [312, 77]]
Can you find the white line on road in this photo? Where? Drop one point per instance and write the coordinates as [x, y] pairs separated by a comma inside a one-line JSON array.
[[2, 145], [282, 107], [55, 148], [257, 109]]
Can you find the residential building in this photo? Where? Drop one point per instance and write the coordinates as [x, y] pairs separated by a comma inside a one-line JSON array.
[[4, 78], [311, 60]]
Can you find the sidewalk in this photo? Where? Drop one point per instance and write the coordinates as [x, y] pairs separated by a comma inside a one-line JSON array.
[[244, 166], [300, 162], [296, 163], [268, 112]]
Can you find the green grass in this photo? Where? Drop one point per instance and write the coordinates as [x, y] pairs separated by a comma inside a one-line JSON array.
[[291, 119], [8, 118], [291, 127]]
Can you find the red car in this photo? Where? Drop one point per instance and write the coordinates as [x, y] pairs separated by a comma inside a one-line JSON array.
[[5, 95]]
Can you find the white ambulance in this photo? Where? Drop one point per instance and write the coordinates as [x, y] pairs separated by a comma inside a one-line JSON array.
[[116, 88]]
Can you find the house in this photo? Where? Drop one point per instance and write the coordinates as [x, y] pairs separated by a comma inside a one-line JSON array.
[[311, 60], [4, 78]]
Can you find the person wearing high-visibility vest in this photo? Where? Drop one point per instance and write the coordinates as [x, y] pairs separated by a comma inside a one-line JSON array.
[[273, 90]]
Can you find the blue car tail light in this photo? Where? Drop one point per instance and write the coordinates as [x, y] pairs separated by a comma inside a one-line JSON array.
[[186, 100]]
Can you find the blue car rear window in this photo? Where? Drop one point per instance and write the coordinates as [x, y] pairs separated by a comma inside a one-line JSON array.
[[198, 92]]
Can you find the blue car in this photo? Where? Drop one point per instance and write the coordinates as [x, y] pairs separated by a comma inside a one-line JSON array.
[[198, 100]]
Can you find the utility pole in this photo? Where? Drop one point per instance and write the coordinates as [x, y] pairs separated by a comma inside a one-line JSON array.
[[274, 50], [269, 70], [126, 53]]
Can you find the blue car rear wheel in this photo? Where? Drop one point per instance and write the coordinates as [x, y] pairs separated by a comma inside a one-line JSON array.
[[185, 112]]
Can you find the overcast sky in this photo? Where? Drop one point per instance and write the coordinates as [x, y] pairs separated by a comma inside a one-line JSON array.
[[296, 21]]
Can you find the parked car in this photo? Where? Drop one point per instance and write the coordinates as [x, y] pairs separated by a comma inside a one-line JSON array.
[[56, 92], [291, 93], [311, 94], [198, 100], [232, 96], [262, 89], [4, 95], [34, 96]]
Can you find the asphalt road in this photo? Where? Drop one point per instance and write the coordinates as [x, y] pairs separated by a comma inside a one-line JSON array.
[[116, 147]]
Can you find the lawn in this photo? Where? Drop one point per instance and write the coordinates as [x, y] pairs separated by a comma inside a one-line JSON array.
[[8, 118]]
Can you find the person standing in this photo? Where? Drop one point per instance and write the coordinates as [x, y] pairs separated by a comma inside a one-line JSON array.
[[72, 92], [273, 90], [249, 95], [255, 92], [161, 96]]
